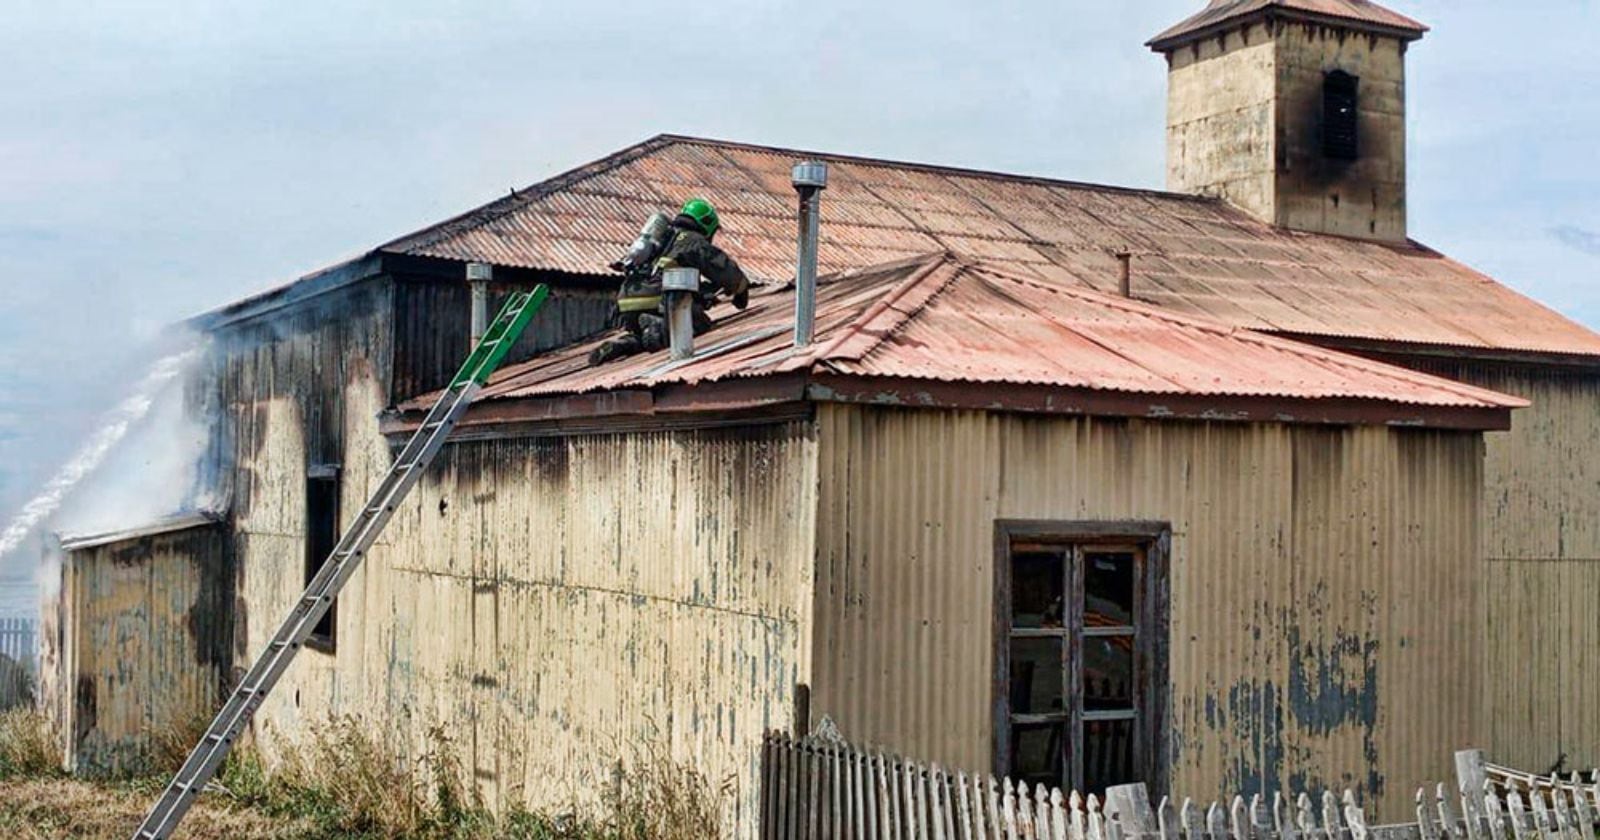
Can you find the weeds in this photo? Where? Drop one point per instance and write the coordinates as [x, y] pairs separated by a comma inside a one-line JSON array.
[[27, 745], [343, 782], [658, 799]]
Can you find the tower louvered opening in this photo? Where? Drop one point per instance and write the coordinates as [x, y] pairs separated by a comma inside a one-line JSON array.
[[1339, 137]]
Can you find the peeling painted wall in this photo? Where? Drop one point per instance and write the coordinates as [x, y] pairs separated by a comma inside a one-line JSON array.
[[555, 604], [145, 644], [1323, 581]]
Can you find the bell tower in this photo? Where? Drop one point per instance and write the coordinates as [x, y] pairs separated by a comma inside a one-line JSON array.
[[1294, 110]]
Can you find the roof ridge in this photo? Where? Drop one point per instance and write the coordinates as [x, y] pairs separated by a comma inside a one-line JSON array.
[[505, 205], [856, 327], [935, 168], [1278, 343]]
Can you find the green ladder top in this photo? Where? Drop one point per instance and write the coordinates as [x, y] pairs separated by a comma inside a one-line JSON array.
[[497, 341]]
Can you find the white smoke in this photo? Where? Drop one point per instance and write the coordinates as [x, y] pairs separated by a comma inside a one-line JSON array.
[[162, 383]]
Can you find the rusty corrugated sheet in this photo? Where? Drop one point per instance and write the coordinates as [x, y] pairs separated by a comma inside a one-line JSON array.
[[1191, 255], [1321, 579], [1221, 13], [946, 319]]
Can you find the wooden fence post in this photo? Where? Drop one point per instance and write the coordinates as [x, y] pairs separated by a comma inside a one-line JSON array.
[[1130, 806]]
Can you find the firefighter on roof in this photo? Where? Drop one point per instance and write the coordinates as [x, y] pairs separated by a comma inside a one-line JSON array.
[[684, 242]]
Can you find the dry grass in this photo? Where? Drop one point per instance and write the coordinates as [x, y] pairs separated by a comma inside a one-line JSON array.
[[344, 783], [169, 746], [28, 746], [61, 808], [655, 798]]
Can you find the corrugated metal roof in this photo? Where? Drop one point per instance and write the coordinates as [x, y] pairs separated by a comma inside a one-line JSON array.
[[1192, 255], [163, 525], [1219, 14], [947, 318]]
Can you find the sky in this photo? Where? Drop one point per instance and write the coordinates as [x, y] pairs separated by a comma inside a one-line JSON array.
[[161, 158]]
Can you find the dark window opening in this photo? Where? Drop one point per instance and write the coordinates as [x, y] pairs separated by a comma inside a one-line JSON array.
[[322, 534], [1080, 654], [1339, 138]]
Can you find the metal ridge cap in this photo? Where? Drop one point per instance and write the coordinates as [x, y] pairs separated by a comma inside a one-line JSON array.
[[937, 169]]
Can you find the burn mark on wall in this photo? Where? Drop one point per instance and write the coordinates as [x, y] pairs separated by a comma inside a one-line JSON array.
[[85, 706]]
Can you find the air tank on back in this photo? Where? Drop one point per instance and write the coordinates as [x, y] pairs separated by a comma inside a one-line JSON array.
[[643, 251]]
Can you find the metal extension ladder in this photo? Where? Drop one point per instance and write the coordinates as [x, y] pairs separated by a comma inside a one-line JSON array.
[[425, 443]]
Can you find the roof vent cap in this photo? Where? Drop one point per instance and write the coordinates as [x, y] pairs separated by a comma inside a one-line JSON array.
[[810, 174]]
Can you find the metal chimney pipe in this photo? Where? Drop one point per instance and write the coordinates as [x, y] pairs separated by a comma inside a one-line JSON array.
[[478, 276], [810, 178], [680, 286], [1125, 274]]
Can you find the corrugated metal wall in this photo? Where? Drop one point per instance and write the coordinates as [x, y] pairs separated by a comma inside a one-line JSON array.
[[1324, 586], [433, 326], [556, 603], [1542, 582], [301, 387], [147, 644]]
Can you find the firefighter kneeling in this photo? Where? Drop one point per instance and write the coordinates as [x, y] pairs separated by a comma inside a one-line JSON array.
[[684, 242]]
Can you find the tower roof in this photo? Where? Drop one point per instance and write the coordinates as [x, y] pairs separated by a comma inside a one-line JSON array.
[[1220, 15]]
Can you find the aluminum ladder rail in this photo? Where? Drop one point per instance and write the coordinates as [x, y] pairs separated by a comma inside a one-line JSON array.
[[425, 443]]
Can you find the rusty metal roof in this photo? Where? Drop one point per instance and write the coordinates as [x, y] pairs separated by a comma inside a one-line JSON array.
[[1219, 15], [949, 319], [1193, 256]]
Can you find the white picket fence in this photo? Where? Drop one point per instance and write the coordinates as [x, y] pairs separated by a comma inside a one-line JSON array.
[[17, 639], [1493, 802], [821, 788]]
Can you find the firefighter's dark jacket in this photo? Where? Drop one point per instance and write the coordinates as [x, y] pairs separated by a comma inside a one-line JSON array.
[[689, 248]]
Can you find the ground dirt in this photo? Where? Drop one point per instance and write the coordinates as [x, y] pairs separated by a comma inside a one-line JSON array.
[[48, 809]]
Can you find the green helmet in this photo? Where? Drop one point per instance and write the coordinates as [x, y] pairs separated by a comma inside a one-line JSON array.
[[702, 212]]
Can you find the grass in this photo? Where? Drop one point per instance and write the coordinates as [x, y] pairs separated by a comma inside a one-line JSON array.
[[341, 783], [27, 745]]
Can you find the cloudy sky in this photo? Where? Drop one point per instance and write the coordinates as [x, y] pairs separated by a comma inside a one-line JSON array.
[[160, 158]]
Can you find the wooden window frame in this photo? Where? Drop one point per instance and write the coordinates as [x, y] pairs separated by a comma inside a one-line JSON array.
[[1153, 602], [325, 636]]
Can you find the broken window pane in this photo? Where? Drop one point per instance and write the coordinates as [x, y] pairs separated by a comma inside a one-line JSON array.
[[1108, 589], [1036, 753], [1107, 672], [1037, 580], [1108, 754], [1036, 678]]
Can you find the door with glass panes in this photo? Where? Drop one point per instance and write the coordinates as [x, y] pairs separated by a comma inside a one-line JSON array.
[[1077, 645]]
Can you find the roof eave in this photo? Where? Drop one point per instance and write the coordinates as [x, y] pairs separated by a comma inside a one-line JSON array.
[[762, 395], [1167, 43], [1045, 399], [165, 525]]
